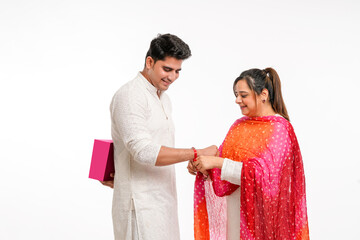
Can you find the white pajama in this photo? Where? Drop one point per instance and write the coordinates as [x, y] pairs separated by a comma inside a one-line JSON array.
[[231, 172]]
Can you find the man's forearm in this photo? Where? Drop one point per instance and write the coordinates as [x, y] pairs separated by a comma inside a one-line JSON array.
[[168, 156]]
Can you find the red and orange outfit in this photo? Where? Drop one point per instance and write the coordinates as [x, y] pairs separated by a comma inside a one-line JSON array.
[[273, 199]]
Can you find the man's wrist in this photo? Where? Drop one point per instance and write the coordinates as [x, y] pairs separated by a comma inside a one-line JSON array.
[[195, 153]]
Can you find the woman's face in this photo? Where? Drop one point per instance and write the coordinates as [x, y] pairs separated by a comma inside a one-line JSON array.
[[246, 99]]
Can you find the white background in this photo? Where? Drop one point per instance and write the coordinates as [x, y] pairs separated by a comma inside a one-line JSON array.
[[61, 62]]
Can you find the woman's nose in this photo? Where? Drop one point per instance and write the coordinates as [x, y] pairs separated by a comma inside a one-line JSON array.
[[238, 99]]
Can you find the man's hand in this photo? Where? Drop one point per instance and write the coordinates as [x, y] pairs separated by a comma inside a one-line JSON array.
[[209, 151], [109, 183]]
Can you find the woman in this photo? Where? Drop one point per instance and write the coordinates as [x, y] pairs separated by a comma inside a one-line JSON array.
[[259, 170]]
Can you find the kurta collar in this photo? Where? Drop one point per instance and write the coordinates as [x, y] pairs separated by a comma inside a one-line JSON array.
[[148, 85]]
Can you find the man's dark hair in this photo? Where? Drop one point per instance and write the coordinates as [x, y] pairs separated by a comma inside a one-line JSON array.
[[168, 45]]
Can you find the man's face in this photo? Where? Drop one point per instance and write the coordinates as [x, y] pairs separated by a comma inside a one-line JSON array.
[[162, 73]]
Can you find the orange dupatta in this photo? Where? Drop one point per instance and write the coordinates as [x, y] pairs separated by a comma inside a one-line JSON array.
[[273, 199]]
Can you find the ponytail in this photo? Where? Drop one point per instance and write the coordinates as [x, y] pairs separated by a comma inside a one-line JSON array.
[[277, 101]]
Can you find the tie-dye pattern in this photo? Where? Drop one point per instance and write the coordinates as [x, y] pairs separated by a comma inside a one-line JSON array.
[[273, 199]]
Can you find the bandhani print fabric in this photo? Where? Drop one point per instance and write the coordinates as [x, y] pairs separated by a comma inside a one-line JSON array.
[[273, 199]]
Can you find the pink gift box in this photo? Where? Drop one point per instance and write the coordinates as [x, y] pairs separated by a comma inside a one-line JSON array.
[[102, 160]]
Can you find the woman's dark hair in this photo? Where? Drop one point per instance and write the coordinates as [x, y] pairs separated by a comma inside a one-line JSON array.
[[268, 78], [168, 45]]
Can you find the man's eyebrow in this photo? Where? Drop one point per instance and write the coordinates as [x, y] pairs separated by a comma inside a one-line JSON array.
[[170, 68]]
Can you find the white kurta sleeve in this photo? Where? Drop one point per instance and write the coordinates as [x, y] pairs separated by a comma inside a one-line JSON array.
[[128, 112], [231, 171]]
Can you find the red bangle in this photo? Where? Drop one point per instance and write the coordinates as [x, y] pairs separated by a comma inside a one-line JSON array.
[[195, 154]]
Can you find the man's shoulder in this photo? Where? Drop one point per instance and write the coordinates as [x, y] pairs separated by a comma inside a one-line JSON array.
[[129, 84], [131, 87], [130, 92]]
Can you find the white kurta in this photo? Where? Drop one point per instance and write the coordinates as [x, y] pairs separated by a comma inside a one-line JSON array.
[[141, 123], [231, 172]]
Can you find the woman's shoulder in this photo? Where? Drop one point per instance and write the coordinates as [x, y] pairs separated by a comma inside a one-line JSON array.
[[239, 120], [283, 125]]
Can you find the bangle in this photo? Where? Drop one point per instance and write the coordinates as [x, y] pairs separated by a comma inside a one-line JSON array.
[[195, 154]]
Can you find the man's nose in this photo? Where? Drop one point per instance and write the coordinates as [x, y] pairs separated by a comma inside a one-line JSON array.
[[172, 76]]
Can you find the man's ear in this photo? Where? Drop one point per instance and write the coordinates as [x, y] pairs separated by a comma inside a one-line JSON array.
[[149, 62]]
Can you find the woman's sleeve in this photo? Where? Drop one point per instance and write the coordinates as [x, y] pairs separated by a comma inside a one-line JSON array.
[[231, 171]]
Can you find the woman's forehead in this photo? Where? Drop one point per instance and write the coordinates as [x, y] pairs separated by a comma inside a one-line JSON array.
[[242, 86]]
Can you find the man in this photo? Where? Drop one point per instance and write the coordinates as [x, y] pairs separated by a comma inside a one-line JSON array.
[[145, 202]]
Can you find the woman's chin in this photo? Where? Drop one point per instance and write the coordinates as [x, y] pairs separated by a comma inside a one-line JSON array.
[[245, 113]]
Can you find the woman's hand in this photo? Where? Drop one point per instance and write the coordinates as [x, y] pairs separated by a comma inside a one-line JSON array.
[[191, 168], [204, 163], [193, 171]]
